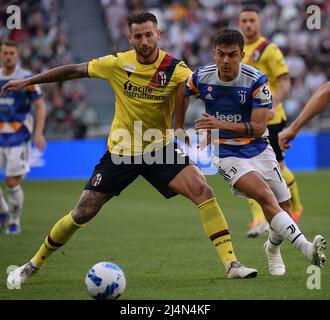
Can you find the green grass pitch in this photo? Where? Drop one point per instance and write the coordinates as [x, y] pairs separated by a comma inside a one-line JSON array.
[[160, 244]]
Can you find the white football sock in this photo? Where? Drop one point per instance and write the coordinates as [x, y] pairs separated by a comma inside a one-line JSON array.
[[274, 241], [3, 203], [283, 224], [15, 202]]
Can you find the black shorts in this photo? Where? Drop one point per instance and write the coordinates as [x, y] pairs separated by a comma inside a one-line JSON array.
[[114, 172], [274, 130]]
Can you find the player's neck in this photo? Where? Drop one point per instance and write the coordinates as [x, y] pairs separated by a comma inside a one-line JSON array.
[[224, 78], [150, 60], [252, 39], [8, 71]]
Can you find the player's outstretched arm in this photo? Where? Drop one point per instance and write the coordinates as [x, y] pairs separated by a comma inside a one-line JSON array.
[[67, 72], [316, 104]]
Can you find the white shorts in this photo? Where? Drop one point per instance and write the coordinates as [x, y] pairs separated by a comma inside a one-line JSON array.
[[15, 159], [265, 164]]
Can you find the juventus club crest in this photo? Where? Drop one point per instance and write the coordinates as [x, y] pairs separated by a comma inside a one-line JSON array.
[[242, 96]]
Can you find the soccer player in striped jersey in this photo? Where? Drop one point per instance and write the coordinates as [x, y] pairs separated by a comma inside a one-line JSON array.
[[16, 127], [145, 81], [268, 58], [237, 99]]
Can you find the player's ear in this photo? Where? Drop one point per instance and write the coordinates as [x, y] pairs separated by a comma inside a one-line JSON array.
[[243, 55], [129, 37], [158, 34]]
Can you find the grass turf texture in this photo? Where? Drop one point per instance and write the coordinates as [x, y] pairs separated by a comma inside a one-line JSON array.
[[160, 244]]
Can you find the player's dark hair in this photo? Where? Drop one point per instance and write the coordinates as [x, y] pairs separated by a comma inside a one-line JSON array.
[[229, 37], [9, 43], [141, 17], [250, 9]]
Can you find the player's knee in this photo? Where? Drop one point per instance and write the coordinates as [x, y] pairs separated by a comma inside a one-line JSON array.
[[11, 185], [207, 191], [12, 182], [82, 214], [203, 190]]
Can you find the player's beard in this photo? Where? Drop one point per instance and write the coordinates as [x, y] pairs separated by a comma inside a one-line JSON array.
[[146, 51], [251, 34], [9, 64]]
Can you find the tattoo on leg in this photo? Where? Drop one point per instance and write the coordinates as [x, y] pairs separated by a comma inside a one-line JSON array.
[[89, 205]]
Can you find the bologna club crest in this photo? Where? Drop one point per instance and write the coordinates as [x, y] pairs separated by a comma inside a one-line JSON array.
[[161, 78]]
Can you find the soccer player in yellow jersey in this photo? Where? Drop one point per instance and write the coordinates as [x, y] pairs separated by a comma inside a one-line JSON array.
[[145, 81], [267, 57]]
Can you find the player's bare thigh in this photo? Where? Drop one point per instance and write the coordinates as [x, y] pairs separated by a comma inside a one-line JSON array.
[[89, 205], [191, 183]]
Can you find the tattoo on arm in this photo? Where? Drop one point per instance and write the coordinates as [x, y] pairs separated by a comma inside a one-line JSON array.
[[62, 73]]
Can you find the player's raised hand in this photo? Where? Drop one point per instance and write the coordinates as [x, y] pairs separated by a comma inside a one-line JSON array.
[[13, 85], [285, 136], [208, 122]]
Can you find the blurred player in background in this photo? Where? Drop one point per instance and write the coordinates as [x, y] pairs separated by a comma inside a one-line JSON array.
[[315, 105], [237, 100], [16, 127], [267, 57], [145, 81]]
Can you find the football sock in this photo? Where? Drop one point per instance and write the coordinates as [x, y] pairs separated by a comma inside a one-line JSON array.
[[3, 203], [257, 213], [15, 203], [274, 240], [283, 224], [293, 186], [58, 236], [216, 228]]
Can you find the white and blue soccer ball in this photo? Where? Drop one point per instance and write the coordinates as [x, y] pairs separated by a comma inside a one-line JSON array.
[[105, 281]]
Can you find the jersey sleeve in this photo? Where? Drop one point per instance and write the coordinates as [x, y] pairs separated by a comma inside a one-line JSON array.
[[101, 67], [34, 92], [276, 61], [182, 72], [261, 94], [192, 85]]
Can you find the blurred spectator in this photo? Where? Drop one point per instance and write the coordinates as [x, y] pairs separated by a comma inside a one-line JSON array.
[[315, 78], [188, 27], [44, 45]]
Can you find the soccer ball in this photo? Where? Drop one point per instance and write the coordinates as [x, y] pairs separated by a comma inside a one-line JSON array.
[[105, 281]]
